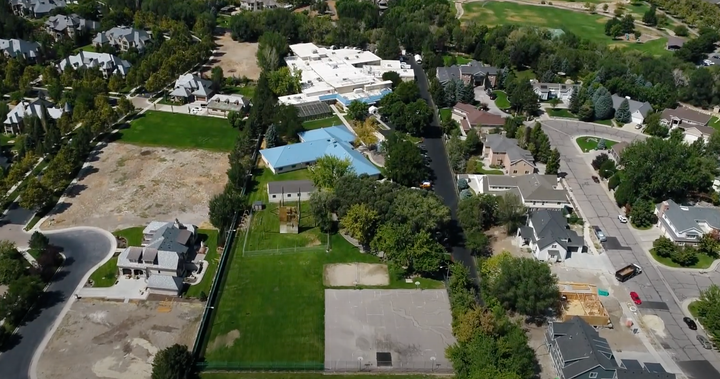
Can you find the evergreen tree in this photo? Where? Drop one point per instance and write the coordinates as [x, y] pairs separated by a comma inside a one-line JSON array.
[[388, 46], [577, 99], [623, 113], [650, 17], [587, 111], [604, 106], [553, 164], [450, 92], [468, 93], [437, 92], [271, 137]]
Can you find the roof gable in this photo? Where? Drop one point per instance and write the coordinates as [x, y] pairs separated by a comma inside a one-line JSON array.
[[337, 132], [310, 151]]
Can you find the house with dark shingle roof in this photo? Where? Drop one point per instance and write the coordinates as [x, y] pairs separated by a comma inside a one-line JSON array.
[[122, 38], [549, 236], [12, 48], [470, 117], [471, 72], [504, 152], [35, 8], [61, 26], [578, 352], [638, 110], [686, 224], [535, 191]]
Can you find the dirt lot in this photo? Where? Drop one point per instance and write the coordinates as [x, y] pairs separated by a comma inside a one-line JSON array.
[[236, 58], [116, 340], [127, 185], [351, 274], [499, 242]]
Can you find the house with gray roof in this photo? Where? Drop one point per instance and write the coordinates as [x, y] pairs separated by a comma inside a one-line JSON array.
[[290, 190], [165, 250], [549, 236], [61, 26], [13, 48], [505, 153], [685, 225], [471, 72], [191, 87], [579, 352], [547, 91], [638, 110], [122, 38], [39, 108], [35, 8], [108, 64], [258, 5]]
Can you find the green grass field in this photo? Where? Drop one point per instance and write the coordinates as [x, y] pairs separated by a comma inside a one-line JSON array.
[[133, 235], [585, 25], [333, 120], [106, 275], [501, 100], [692, 307], [265, 236], [714, 123], [559, 113], [314, 375], [180, 131], [458, 59], [704, 261], [247, 91], [590, 143], [445, 113], [212, 258]]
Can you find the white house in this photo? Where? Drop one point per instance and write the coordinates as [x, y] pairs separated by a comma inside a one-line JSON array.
[[638, 110], [108, 64], [686, 224], [290, 190], [547, 91], [536, 191], [549, 237]]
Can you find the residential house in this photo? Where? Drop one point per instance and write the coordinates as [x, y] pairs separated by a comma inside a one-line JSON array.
[[504, 152], [696, 132], [472, 72], [222, 104], [258, 5], [682, 116], [638, 110], [290, 190], [535, 191], [549, 236], [165, 250], [190, 88], [36, 108], [674, 43], [107, 63], [61, 26], [686, 224], [617, 149], [547, 91], [337, 132], [470, 117], [12, 48], [35, 8], [579, 352], [123, 38], [316, 144]]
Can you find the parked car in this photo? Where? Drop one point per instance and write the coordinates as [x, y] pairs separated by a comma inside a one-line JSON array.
[[705, 342], [599, 234], [622, 219], [690, 323], [195, 110], [596, 179], [635, 298], [639, 126]]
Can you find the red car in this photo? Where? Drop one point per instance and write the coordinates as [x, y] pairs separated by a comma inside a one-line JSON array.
[[635, 298]]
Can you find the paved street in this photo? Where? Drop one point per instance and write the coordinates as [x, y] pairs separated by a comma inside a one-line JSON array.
[[444, 183], [662, 290]]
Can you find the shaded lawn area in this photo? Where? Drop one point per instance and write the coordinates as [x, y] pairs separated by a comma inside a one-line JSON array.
[[693, 308], [714, 123], [458, 59], [501, 100], [313, 375], [209, 236], [608, 122], [591, 143], [589, 26], [333, 120], [704, 261], [180, 131], [559, 113], [134, 235], [5, 140], [106, 275], [445, 113], [247, 91]]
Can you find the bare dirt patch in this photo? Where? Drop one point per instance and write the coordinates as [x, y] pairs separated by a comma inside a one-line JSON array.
[[116, 340], [225, 340], [127, 185], [500, 241], [352, 274], [236, 58]]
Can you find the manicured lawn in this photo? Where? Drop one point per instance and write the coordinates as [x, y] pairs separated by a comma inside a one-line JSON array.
[[704, 261], [693, 308], [559, 112], [714, 123], [212, 257], [445, 113], [604, 122], [333, 120], [590, 143], [501, 100], [589, 26], [180, 131], [458, 59], [525, 75], [314, 375], [265, 237], [5, 140], [247, 91], [106, 275], [134, 235]]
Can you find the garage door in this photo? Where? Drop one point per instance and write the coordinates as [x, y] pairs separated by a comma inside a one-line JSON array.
[[637, 120]]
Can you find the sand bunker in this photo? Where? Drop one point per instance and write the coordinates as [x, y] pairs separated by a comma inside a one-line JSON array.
[[355, 274]]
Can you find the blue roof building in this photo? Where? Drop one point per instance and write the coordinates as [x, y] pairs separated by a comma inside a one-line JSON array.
[[338, 133], [301, 155]]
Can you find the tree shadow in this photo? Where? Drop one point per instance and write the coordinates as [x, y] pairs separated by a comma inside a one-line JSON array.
[[75, 190], [10, 342], [46, 300], [61, 207]]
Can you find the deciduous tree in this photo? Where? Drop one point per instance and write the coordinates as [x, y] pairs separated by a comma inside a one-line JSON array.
[[642, 213], [358, 110], [12, 263], [322, 206], [403, 163], [328, 169], [223, 207], [20, 296], [708, 311], [553, 164], [34, 195], [360, 223], [174, 362], [527, 286], [511, 211]]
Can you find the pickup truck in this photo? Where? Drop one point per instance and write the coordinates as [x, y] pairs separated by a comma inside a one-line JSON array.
[[628, 272]]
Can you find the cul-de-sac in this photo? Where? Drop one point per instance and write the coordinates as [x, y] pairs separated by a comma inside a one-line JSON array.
[[360, 189]]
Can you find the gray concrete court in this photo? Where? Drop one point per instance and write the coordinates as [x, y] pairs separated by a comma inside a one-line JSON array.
[[413, 326]]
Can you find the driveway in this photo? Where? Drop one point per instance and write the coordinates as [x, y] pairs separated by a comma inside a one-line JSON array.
[[444, 182], [12, 224], [83, 249], [661, 289], [482, 96]]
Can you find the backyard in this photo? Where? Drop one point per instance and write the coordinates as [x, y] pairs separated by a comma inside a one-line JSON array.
[[247, 91], [458, 59], [591, 27], [322, 123], [591, 143], [714, 123], [180, 131], [501, 100]]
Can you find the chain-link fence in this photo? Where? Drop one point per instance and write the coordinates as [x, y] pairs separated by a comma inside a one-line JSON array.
[[260, 366], [358, 365]]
